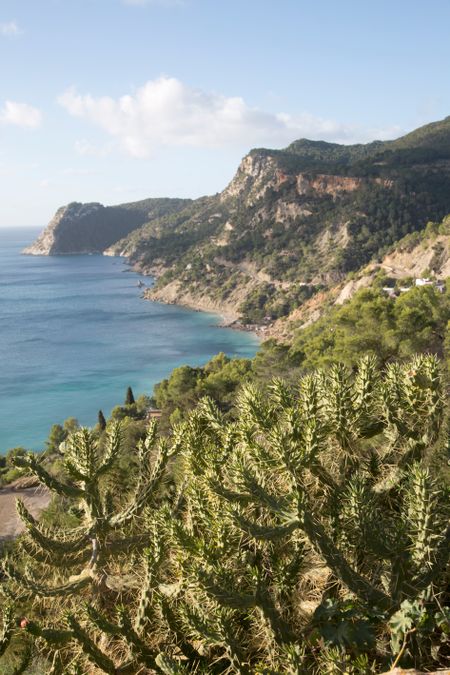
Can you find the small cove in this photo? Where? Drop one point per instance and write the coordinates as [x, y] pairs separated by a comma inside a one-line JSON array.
[[75, 332]]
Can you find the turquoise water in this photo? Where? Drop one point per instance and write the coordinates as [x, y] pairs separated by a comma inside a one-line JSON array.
[[74, 333]]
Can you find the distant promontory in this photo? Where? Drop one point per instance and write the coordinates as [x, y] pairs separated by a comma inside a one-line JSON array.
[[92, 228]]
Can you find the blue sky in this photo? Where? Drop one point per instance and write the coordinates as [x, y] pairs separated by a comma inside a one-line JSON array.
[[117, 100]]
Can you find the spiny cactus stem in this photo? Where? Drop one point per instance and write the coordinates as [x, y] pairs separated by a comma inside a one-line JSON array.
[[93, 653], [45, 591], [7, 630], [30, 462], [53, 637], [336, 561], [136, 644]]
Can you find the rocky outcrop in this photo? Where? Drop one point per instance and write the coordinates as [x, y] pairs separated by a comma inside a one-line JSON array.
[[411, 261], [85, 228], [51, 240], [258, 173], [326, 185], [93, 228], [201, 299], [255, 173], [174, 294]]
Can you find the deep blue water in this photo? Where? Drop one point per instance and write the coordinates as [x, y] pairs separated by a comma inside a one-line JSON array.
[[74, 333]]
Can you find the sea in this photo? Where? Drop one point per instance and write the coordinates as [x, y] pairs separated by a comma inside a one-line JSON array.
[[75, 333]]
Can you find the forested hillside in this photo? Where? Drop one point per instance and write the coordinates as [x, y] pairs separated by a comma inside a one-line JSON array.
[[92, 228], [296, 221]]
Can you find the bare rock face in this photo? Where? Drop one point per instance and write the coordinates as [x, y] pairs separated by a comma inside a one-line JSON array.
[[259, 173], [255, 173], [412, 260], [322, 184]]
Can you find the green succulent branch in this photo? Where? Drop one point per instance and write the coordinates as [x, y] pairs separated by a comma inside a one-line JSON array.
[[33, 465], [89, 648]]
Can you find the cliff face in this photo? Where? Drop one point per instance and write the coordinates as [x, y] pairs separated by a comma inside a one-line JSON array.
[[259, 173], [92, 228]]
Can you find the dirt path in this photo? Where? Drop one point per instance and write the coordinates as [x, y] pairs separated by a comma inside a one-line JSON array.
[[36, 499]]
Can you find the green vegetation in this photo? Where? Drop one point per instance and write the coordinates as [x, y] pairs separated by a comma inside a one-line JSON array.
[[58, 434], [424, 237], [8, 470], [370, 323], [101, 421], [219, 379], [309, 535], [416, 321], [267, 302], [134, 410], [93, 227]]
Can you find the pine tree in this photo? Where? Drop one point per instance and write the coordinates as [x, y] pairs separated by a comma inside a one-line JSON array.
[[129, 399], [101, 420]]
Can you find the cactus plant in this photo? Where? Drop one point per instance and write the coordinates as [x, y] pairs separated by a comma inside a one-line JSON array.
[[91, 551], [298, 490]]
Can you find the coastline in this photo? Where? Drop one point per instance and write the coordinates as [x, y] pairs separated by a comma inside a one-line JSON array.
[[171, 295], [227, 320]]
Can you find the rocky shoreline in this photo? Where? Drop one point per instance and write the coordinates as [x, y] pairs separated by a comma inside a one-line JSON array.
[[172, 295]]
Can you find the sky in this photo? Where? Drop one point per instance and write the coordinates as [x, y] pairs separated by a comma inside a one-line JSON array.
[[119, 100]]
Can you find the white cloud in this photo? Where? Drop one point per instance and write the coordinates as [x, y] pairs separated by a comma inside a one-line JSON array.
[[166, 112], [10, 29], [20, 114]]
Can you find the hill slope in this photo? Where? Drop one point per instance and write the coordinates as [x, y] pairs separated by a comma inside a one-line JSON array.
[[292, 223], [423, 253]]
